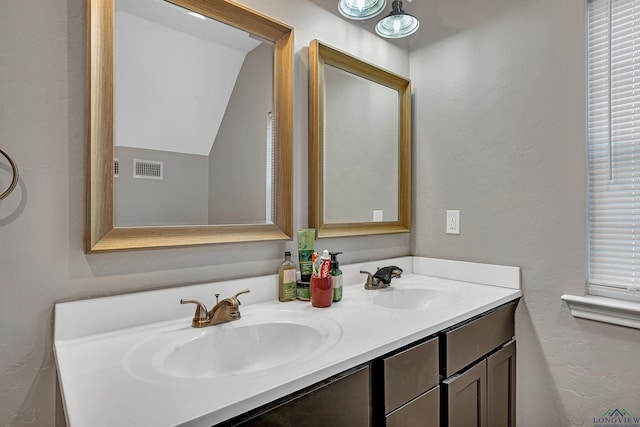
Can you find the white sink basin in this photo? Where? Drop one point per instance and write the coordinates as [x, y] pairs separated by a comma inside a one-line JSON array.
[[408, 299], [257, 342], [216, 352]]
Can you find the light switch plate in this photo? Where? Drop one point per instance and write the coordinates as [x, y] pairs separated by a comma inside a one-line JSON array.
[[377, 216], [453, 222]]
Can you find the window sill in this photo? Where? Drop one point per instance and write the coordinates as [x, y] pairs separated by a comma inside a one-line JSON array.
[[607, 310]]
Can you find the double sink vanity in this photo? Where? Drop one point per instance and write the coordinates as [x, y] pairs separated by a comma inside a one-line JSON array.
[[436, 347], [438, 343]]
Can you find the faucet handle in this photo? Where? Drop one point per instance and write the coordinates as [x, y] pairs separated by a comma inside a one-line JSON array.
[[369, 283], [385, 274], [244, 291], [200, 318]]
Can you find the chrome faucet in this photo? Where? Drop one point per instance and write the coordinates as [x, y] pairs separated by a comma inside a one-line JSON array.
[[382, 278], [224, 311]]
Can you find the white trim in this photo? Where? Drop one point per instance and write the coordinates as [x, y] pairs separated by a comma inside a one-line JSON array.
[[607, 291], [607, 310], [472, 272]]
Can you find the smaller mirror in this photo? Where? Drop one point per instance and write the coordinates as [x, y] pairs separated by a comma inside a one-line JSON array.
[[359, 163]]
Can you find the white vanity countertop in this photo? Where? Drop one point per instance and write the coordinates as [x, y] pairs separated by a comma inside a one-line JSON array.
[[106, 381]]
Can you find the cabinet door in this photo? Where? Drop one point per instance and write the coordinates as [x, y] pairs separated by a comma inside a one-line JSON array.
[[409, 374], [342, 402], [501, 387], [466, 397], [423, 411]]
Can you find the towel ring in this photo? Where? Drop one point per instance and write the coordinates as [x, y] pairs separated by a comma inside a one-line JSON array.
[[14, 181]]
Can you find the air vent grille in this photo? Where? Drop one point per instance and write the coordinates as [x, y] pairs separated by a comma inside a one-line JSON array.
[[116, 168], [147, 169]]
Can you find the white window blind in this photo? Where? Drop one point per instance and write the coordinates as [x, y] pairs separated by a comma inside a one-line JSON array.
[[270, 213], [613, 41]]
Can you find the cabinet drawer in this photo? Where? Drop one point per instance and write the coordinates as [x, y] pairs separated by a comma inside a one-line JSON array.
[[409, 374], [467, 343], [423, 411], [342, 401]]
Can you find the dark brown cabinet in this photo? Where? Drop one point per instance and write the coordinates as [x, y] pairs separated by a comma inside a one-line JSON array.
[[501, 387], [405, 390], [422, 411], [465, 395], [341, 401], [463, 376], [479, 366]]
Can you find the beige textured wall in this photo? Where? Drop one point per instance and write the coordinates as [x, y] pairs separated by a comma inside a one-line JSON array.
[[42, 124], [499, 133], [238, 158], [145, 202]]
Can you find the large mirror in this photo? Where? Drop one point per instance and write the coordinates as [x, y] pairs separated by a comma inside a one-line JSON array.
[[190, 124], [359, 164]]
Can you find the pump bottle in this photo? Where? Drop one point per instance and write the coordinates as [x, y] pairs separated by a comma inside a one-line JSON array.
[[336, 276]]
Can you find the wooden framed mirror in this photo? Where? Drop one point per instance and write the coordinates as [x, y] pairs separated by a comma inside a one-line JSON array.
[[118, 127], [359, 145]]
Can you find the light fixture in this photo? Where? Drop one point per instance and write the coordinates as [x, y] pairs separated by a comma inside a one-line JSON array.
[[398, 23], [197, 15], [361, 9]]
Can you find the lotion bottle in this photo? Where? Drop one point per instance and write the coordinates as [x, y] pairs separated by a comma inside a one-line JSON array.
[[336, 276], [287, 279]]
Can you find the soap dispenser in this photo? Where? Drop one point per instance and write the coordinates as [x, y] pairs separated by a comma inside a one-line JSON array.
[[336, 276], [321, 285]]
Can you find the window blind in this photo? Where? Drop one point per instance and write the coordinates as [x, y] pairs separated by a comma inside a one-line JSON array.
[[613, 49], [270, 212]]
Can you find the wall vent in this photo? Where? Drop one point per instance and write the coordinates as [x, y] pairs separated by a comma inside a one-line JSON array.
[[116, 167], [147, 169]]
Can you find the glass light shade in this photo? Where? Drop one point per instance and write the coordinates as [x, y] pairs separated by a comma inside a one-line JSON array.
[[361, 9], [397, 24]]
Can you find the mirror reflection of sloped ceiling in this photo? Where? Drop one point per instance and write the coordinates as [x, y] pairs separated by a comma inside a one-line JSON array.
[[175, 72]]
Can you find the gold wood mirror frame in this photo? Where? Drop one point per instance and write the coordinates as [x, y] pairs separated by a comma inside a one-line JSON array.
[[321, 55], [102, 235]]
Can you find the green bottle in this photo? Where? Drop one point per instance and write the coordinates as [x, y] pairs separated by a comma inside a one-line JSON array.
[[287, 279], [336, 276]]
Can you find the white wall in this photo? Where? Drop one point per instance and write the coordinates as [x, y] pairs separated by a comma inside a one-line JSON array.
[[161, 102], [360, 147], [238, 159], [161, 202], [42, 124], [499, 133]]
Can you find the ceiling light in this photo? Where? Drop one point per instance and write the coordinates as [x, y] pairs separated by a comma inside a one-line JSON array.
[[398, 23], [197, 15], [361, 9]]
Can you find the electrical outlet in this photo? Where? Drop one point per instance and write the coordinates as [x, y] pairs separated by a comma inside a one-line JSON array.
[[377, 216], [453, 222]]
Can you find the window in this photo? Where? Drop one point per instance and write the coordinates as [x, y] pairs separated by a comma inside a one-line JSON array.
[[613, 41], [270, 213]]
